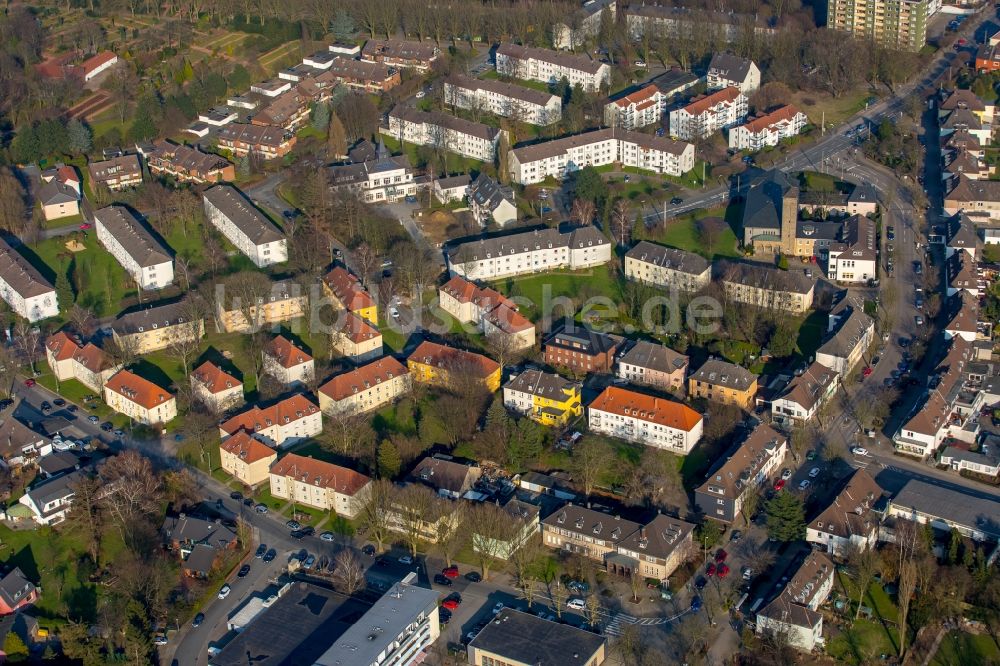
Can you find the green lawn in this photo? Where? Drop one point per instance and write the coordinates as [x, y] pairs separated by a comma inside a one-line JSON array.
[[863, 642], [683, 233], [535, 290], [68, 221], [959, 648], [398, 417], [491, 74]]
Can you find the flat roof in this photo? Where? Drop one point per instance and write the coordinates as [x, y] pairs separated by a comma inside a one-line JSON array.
[[951, 505], [527, 639]]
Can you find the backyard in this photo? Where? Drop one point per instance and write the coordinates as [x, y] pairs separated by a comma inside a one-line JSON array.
[[867, 638]]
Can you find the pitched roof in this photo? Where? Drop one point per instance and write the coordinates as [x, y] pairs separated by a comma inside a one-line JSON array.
[[669, 257], [963, 98], [62, 345], [15, 587], [850, 512], [508, 319], [115, 168], [286, 411], [702, 104], [718, 372], [399, 48], [505, 88], [448, 358], [93, 358], [783, 114], [583, 340], [974, 511], [244, 215], [590, 523], [850, 331], [151, 317], [95, 61], [196, 530], [961, 232], [766, 277], [730, 67], [744, 462], [190, 159], [140, 391], [20, 275], [287, 353], [347, 288], [56, 192], [254, 135], [526, 241], [558, 58], [488, 193], [547, 385], [937, 409], [133, 236], [526, 639], [674, 80], [437, 119], [318, 473], [661, 358], [464, 291], [807, 388], [363, 378], [214, 378], [246, 448], [623, 402], [647, 92], [659, 537], [355, 329], [555, 147], [445, 474], [763, 203]]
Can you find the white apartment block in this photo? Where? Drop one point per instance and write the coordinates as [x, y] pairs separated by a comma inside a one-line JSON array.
[[534, 64], [529, 252], [767, 131], [24, 289], [288, 422], [440, 130], [638, 109], [383, 179], [244, 226], [507, 100], [727, 70], [637, 417], [561, 157], [319, 484], [365, 388], [709, 114], [142, 256], [668, 267]]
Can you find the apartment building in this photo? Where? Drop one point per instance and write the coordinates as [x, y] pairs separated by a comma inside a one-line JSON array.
[[667, 267], [319, 484], [585, 22], [767, 130], [945, 509], [440, 130], [709, 114], [246, 458], [148, 261], [24, 289], [544, 397], [581, 350], [538, 251], [285, 303], [804, 395], [215, 388], [522, 515], [855, 257], [243, 138], [288, 362], [244, 226], [365, 388], [508, 327], [88, 364], [118, 173], [560, 157], [139, 399], [650, 364], [587, 532], [636, 109], [851, 520], [849, 335], [281, 425], [156, 327], [452, 368], [451, 188], [767, 287], [753, 463], [727, 70], [495, 315], [535, 64], [491, 202], [188, 165], [721, 381], [675, 22], [898, 24], [382, 179], [517, 638], [353, 337], [637, 417], [400, 53], [504, 99], [362, 75], [794, 613], [348, 294]]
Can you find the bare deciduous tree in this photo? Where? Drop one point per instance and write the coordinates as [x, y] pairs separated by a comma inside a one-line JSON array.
[[374, 516], [131, 492], [349, 572], [493, 531], [417, 509]]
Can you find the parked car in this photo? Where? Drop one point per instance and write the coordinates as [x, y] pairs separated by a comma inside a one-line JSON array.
[[710, 569], [735, 536], [442, 580], [29, 382], [310, 561], [368, 550], [721, 555], [270, 555], [93, 419], [695, 604], [260, 508], [676, 200], [224, 591], [473, 577], [814, 472], [700, 583], [450, 572], [159, 639], [326, 536], [198, 619], [46, 406], [723, 570], [919, 320], [786, 474], [107, 426], [59, 402], [576, 603], [244, 570], [859, 451], [747, 573], [499, 607], [261, 550], [406, 559], [293, 525], [803, 484], [779, 484]]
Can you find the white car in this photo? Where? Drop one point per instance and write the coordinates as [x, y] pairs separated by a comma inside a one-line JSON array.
[[420, 94], [394, 313], [786, 474], [576, 603], [803, 484], [640, 63], [814, 472], [859, 451], [224, 592], [747, 573]]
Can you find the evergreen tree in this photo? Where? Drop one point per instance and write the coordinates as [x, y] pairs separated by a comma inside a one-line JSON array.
[[239, 78], [388, 460], [243, 166], [80, 137], [336, 136], [342, 26], [954, 546], [15, 648], [639, 228], [24, 148], [52, 137], [320, 117], [786, 517], [783, 262], [64, 290]]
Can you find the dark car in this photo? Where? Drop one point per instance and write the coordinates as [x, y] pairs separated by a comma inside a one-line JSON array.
[[308, 530], [444, 616], [107, 426], [248, 501], [676, 200], [46, 406], [244, 570], [473, 577], [59, 402], [297, 534], [261, 549], [735, 536], [236, 495], [441, 579], [700, 583], [198, 619], [270, 555], [71, 408], [696, 604], [368, 550]]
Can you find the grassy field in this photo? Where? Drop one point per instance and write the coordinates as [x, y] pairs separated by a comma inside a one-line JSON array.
[[959, 648], [865, 638], [837, 108], [535, 85], [453, 163], [538, 290], [683, 233]]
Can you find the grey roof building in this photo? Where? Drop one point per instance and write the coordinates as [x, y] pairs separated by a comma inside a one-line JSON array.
[[132, 236], [151, 317], [16, 590], [491, 201], [974, 516], [515, 637], [250, 221]]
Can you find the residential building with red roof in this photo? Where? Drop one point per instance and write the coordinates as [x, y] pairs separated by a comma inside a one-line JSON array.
[[645, 419], [348, 293], [365, 388], [492, 313], [708, 114], [319, 484], [639, 108], [355, 338], [288, 362], [246, 458], [217, 389], [439, 364], [139, 399], [282, 424], [759, 133], [88, 364]]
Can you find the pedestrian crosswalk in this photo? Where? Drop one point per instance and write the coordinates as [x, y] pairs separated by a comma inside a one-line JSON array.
[[615, 628]]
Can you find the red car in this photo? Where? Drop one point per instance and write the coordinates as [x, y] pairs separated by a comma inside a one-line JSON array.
[[450, 604], [723, 570], [84, 226], [29, 382], [451, 572], [710, 571], [721, 556], [866, 372], [779, 484]]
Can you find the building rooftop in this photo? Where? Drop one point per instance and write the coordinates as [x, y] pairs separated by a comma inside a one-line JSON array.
[[246, 448], [363, 378], [590, 523], [488, 193], [522, 242], [243, 214], [547, 385], [556, 147], [347, 288], [850, 330], [668, 257], [138, 390], [658, 538], [527, 639], [702, 104], [20, 275], [444, 474], [401, 49], [558, 58], [584, 340], [743, 462], [194, 529], [319, 473], [286, 411], [438, 119], [287, 353], [718, 372], [780, 115], [450, 358], [961, 508], [505, 88], [730, 67], [668, 413], [151, 317], [254, 135], [652, 356], [766, 277], [850, 513], [214, 378], [133, 236]]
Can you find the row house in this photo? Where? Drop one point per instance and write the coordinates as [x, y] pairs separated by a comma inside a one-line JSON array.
[[281, 425], [431, 363], [440, 130], [354, 338], [320, 484], [139, 399], [709, 114], [964, 163], [491, 201], [544, 397], [188, 165], [243, 225], [755, 462], [146, 259], [87, 364], [24, 289], [538, 251], [960, 274], [767, 287], [731, 71], [156, 327], [349, 294], [535, 64], [362, 75], [272, 88], [288, 112], [365, 388], [650, 364], [383, 179], [962, 98], [561, 157], [118, 173], [851, 521], [854, 257], [653, 550], [794, 614], [979, 199], [285, 302], [493, 314], [401, 53], [667, 267], [850, 334], [804, 395], [216, 389], [288, 362], [246, 459], [644, 419], [504, 99], [581, 350], [243, 138], [766, 131], [984, 460], [723, 382]]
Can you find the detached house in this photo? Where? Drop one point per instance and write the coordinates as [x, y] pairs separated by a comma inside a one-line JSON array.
[[804, 395], [653, 365], [365, 388], [709, 114], [747, 468], [141, 255], [139, 399], [24, 289], [16, 591], [637, 417], [59, 193], [448, 478], [319, 484], [198, 542], [217, 389], [851, 520], [490, 201], [229, 211], [727, 70], [20, 445], [543, 396], [246, 458], [281, 425], [288, 363], [795, 612], [49, 501]]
